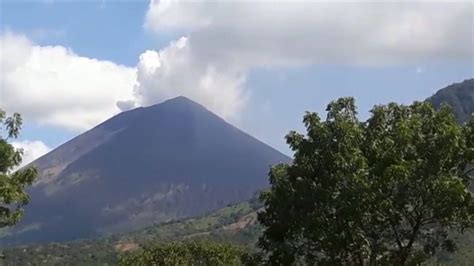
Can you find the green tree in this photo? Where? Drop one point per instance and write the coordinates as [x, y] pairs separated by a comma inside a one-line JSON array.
[[186, 253], [12, 183], [384, 191]]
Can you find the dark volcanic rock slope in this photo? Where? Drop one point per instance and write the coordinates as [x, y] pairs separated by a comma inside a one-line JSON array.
[[460, 96], [149, 165]]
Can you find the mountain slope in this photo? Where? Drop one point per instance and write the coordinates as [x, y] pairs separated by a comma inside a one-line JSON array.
[[149, 165], [235, 223], [460, 96]]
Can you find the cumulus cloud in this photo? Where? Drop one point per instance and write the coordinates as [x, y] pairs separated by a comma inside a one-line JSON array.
[[174, 71], [52, 85], [126, 105], [32, 150], [224, 41]]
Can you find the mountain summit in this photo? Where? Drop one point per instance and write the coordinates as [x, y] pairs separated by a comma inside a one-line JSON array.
[[148, 165]]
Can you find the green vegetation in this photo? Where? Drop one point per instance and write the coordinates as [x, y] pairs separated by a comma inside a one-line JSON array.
[[235, 224], [12, 185], [186, 253], [107, 250], [393, 190], [386, 191]]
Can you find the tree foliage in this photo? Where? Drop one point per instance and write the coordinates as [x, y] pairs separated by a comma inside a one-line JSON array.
[[384, 191], [186, 253], [12, 183]]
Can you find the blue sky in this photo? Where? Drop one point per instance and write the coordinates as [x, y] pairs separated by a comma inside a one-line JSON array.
[[263, 84], [89, 28]]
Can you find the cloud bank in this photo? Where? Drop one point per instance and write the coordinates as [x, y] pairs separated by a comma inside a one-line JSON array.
[[284, 34], [224, 41], [54, 86]]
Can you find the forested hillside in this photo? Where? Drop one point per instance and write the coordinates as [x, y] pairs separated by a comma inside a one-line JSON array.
[[233, 224]]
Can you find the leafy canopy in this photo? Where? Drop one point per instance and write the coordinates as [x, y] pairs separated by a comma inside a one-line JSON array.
[[12, 185], [384, 191]]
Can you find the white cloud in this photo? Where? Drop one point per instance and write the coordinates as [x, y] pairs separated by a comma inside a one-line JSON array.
[[174, 71], [52, 85], [32, 150], [266, 34], [176, 15], [226, 40], [223, 42], [126, 105]]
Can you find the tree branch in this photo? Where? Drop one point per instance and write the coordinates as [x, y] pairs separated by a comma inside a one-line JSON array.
[[397, 237], [469, 171]]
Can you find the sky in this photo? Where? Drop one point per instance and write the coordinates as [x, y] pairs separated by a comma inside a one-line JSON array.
[[68, 65]]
